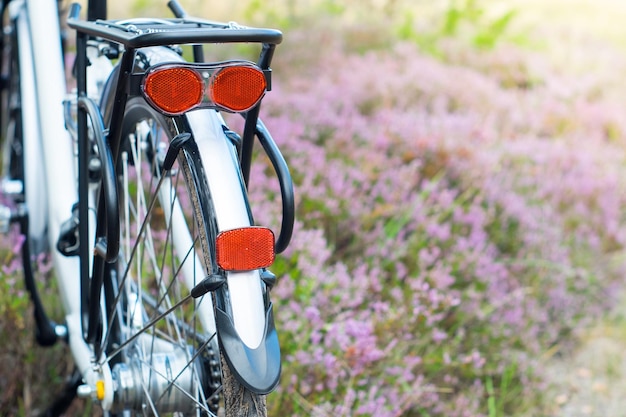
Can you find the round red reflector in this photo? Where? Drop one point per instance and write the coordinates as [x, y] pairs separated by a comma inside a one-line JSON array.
[[237, 88], [174, 90]]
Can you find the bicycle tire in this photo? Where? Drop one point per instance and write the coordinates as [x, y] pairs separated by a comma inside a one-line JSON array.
[[146, 134]]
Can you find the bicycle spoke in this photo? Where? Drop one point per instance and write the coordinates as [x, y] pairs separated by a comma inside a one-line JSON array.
[[145, 329], [162, 342], [131, 256]]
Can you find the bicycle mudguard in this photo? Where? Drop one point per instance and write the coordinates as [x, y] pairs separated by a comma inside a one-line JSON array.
[[258, 369], [245, 327]]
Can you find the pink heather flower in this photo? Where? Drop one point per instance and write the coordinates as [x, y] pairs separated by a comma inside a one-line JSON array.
[[438, 336], [14, 265], [455, 205]]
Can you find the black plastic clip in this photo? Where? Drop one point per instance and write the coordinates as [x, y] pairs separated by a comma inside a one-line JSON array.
[[234, 138], [175, 146], [269, 278], [209, 284]]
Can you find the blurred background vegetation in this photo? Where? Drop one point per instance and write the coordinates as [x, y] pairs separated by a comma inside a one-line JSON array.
[[487, 233]]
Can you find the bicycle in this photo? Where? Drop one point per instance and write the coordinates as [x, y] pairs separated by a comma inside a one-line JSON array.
[[135, 187]]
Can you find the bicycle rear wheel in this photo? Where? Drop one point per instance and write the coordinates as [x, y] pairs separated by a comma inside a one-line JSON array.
[[161, 343]]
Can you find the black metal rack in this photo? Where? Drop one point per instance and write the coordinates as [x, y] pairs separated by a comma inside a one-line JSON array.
[[171, 31]]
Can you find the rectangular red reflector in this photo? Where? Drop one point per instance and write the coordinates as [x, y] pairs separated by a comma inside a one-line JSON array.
[[245, 249]]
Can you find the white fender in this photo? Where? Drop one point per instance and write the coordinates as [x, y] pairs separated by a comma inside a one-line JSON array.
[[227, 192]]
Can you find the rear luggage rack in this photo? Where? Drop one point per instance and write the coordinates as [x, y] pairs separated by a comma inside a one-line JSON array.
[[139, 33]]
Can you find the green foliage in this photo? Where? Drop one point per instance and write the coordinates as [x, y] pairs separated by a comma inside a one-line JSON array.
[[257, 12], [333, 7], [30, 375], [502, 392], [463, 19]]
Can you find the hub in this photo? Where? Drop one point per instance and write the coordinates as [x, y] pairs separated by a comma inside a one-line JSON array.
[[169, 380]]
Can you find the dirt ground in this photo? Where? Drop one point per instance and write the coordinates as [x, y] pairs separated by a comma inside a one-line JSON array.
[[592, 381]]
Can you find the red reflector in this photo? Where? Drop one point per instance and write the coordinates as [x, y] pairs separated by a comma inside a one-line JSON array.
[[238, 88], [174, 90], [245, 249]]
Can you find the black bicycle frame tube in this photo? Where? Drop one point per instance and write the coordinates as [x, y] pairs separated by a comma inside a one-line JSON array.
[[119, 104], [265, 59], [92, 283], [247, 143], [177, 9], [286, 185], [114, 140], [108, 223], [83, 177], [96, 9]]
